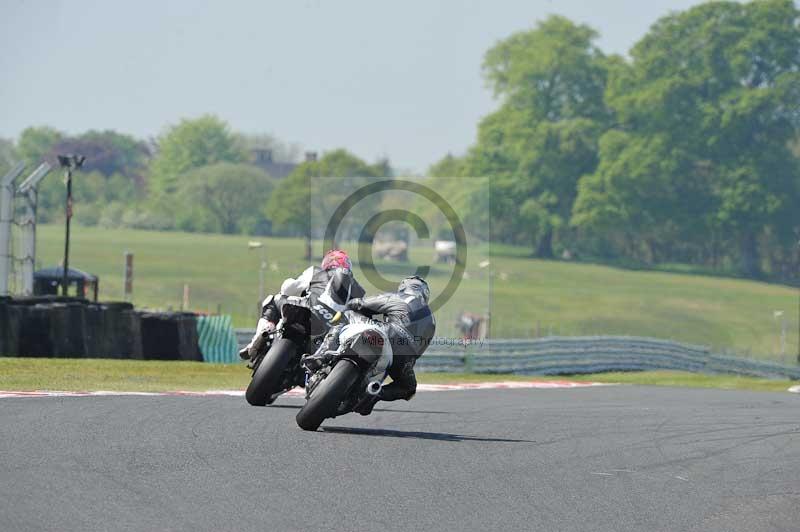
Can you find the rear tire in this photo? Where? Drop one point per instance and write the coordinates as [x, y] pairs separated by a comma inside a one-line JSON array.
[[328, 394], [267, 376]]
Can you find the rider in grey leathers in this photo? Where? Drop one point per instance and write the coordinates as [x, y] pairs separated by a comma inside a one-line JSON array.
[[410, 328]]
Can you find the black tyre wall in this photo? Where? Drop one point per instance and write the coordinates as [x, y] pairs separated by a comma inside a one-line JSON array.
[[34, 331], [170, 336], [69, 327], [67, 330], [10, 322]]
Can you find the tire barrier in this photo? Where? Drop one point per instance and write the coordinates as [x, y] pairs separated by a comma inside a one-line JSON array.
[[113, 330], [218, 342], [50, 326], [170, 336], [28, 325], [581, 355], [10, 323], [34, 331], [67, 329]]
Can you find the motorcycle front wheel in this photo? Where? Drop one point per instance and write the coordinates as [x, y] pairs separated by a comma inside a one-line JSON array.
[[267, 377], [327, 395]]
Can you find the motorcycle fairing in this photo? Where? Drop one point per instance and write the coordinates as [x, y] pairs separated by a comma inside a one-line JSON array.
[[380, 360]]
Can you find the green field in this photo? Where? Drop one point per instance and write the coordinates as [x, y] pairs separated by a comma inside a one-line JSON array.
[[530, 296], [29, 374]]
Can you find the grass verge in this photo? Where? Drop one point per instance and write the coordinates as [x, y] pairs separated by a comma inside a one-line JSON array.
[[18, 374]]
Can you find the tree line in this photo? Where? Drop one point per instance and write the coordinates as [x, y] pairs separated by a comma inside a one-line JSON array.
[[198, 176], [685, 151]]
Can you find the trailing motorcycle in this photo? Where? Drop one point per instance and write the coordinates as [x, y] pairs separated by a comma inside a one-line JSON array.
[[340, 380]]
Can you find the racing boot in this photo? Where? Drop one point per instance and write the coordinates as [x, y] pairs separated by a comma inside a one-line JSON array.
[[366, 405], [263, 328]]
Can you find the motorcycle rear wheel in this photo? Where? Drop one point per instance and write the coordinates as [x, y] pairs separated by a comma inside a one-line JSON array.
[[327, 395], [267, 376]]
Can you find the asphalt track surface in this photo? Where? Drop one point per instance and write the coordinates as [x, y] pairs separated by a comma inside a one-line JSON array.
[[596, 459]]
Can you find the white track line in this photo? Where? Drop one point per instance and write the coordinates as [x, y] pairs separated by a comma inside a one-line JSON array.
[[298, 392]]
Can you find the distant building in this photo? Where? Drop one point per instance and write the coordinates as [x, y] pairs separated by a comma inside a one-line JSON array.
[[262, 158]]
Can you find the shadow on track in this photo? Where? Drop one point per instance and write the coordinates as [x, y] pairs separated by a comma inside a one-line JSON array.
[[298, 407], [438, 436], [410, 411]]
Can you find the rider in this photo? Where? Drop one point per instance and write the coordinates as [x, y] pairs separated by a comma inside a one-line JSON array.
[[334, 275], [411, 327]]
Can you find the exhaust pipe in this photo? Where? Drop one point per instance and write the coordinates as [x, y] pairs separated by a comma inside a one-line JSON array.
[[374, 387]]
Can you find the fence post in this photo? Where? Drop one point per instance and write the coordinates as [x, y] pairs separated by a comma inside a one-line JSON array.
[[6, 216], [469, 362], [127, 277]]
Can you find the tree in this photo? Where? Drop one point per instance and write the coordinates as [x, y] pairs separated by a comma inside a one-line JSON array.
[[708, 108], [190, 144], [543, 137], [304, 202], [448, 166], [554, 71], [114, 168], [35, 145], [641, 186], [108, 152], [232, 195], [468, 195]]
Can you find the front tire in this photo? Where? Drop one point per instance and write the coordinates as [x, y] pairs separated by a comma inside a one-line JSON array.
[[328, 394], [267, 376]]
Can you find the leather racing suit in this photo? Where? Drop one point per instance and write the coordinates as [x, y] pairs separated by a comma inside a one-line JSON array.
[[410, 328]]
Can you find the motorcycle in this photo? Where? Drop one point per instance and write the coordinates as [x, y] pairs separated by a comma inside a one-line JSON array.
[[343, 379], [276, 365]]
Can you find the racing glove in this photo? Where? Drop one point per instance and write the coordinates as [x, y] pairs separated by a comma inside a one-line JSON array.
[[354, 304]]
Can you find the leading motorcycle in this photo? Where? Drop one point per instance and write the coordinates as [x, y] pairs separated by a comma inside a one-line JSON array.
[[276, 366], [304, 322]]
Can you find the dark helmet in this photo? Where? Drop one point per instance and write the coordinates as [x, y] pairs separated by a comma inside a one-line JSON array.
[[415, 285]]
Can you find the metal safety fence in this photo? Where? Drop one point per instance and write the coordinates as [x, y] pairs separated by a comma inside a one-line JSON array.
[[579, 355]]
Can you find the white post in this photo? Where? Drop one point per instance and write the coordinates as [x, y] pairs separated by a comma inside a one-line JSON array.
[[783, 336], [261, 270], [255, 244], [28, 190], [6, 217]]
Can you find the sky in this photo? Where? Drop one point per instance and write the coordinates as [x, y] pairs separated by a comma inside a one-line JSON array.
[[382, 79]]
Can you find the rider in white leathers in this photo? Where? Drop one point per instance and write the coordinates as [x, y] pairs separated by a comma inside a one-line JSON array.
[[313, 282]]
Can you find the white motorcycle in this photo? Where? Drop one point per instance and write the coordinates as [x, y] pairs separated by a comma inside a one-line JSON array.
[[343, 378]]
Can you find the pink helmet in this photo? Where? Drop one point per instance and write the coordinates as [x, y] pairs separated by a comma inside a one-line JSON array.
[[336, 258]]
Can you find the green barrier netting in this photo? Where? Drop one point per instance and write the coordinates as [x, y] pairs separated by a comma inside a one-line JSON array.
[[217, 339]]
